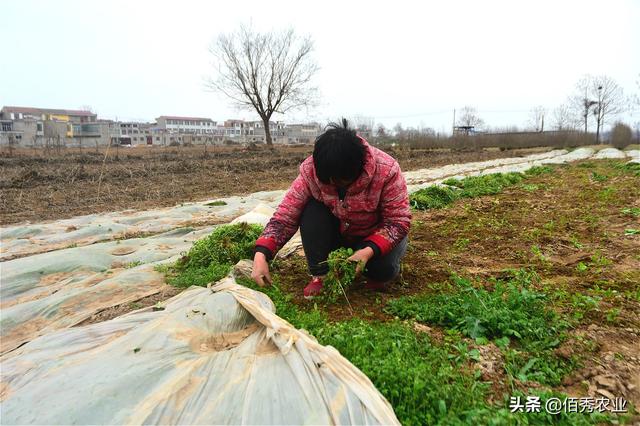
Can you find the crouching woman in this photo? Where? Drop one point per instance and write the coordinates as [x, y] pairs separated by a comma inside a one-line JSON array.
[[348, 194]]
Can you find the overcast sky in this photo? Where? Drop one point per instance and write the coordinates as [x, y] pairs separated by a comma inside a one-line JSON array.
[[394, 61]]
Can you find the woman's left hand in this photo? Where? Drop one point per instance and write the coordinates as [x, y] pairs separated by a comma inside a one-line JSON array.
[[362, 256]]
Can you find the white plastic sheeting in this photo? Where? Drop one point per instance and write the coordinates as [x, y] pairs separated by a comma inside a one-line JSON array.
[[220, 357], [59, 289], [26, 239]]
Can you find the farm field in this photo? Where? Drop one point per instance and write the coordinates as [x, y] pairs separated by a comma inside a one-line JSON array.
[[533, 290], [514, 285], [35, 186]]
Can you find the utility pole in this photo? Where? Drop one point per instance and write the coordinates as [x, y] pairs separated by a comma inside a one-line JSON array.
[[453, 126], [599, 114]]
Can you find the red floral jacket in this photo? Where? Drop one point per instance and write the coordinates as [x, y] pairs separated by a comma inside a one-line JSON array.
[[376, 205]]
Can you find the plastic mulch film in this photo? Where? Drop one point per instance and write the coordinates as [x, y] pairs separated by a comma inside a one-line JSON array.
[[211, 356], [49, 291]]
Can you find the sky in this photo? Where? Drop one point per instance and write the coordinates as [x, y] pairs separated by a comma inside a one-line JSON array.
[[412, 62]]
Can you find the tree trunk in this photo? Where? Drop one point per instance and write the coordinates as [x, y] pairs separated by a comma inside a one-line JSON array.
[[267, 132]]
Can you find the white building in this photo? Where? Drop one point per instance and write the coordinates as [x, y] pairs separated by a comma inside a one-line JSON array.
[[195, 125]]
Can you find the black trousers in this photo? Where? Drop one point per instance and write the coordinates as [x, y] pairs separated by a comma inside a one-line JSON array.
[[320, 231]]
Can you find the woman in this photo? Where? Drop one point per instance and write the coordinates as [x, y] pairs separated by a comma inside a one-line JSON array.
[[349, 194]]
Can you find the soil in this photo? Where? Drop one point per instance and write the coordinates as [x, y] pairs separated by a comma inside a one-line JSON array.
[[36, 185]]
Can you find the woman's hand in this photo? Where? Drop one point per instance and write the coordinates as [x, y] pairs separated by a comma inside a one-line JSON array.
[[260, 271], [362, 256]]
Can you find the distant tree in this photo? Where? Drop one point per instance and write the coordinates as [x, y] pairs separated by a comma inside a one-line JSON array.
[[398, 131], [469, 117], [621, 135], [600, 96], [381, 131], [427, 131], [269, 72], [562, 119], [536, 118]]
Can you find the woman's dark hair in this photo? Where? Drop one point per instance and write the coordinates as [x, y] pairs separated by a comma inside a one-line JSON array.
[[338, 153]]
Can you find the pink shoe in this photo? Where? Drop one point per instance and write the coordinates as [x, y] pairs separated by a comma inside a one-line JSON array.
[[313, 289], [375, 285]]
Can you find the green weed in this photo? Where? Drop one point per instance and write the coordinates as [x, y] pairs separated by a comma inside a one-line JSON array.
[[216, 203]]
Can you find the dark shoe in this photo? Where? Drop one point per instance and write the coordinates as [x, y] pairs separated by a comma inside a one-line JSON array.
[[313, 289]]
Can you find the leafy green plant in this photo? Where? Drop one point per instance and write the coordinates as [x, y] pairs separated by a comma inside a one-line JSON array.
[[512, 309], [432, 197], [598, 177], [226, 244], [631, 211], [133, 264], [461, 243], [491, 184], [581, 267], [582, 304], [612, 315], [538, 170], [512, 313], [631, 231], [530, 187], [341, 275], [211, 258]]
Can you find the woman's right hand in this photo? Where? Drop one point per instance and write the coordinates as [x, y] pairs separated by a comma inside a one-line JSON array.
[[260, 271]]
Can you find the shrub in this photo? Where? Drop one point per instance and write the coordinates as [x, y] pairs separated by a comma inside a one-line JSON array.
[[621, 135]]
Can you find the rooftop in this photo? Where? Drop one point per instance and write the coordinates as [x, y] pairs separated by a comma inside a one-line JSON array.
[[175, 117], [32, 110]]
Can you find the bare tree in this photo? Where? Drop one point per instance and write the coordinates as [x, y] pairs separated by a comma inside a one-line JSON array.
[[381, 131], [601, 96], [269, 72], [87, 108], [469, 117], [398, 131], [536, 118], [562, 119]]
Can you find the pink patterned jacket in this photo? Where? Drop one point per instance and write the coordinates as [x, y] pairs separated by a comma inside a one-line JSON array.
[[376, 205]]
